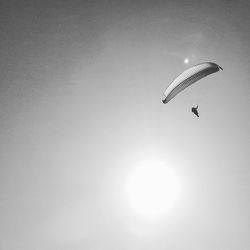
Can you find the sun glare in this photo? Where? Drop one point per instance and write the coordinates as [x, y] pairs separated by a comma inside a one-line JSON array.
[[152, 189]]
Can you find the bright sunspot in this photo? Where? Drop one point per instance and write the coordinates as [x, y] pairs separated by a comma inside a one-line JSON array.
[[152, 189], [186, 61]]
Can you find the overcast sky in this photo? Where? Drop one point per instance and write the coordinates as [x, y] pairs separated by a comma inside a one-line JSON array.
[[80, 106]]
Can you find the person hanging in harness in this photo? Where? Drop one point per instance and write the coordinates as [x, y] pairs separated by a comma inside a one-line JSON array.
[[195, 110]]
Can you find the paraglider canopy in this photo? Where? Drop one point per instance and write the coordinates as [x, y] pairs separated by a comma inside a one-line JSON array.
[[188, 77]]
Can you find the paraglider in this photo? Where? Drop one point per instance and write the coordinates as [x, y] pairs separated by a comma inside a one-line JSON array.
[[188, 77], [195, 111]]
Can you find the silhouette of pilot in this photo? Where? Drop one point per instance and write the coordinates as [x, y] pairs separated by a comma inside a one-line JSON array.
[[195, 111]]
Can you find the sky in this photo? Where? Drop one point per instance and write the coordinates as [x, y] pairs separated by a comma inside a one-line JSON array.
[[80, 107]]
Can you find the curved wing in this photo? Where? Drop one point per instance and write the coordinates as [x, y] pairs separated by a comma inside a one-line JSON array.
[[189, 77]]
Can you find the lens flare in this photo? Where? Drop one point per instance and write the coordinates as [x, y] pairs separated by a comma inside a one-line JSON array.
[[152, 189]]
